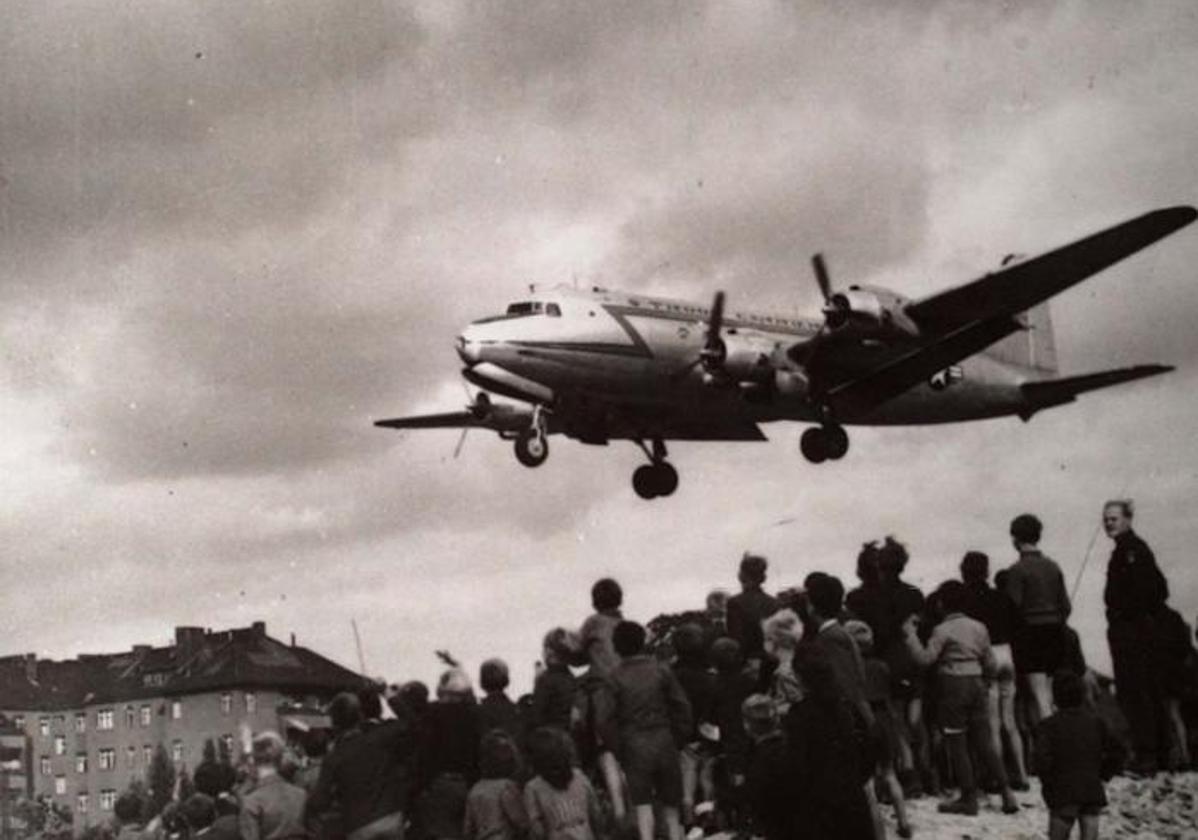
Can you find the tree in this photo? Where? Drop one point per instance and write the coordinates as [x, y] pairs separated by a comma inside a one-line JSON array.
[[161, 780], [186, 785], [209, 751]]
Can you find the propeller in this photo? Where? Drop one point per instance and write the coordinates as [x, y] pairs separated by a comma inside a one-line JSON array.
[[714, 352], [836, 307], [479, 406]]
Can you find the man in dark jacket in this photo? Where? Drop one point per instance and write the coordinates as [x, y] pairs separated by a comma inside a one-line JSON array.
[[368, 774], [1135, 597], [748, 609]]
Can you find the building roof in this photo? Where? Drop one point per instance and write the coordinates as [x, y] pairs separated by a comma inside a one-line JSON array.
[[199, 661]]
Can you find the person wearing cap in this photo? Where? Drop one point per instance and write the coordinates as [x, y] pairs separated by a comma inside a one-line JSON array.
[[554, 688], [1135, 596], [366, 778], [274, 809]]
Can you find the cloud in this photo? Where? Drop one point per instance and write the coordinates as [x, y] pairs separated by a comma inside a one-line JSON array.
[[217, 271]]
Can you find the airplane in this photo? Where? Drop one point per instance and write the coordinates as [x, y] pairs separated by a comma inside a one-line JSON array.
[[598, 365]]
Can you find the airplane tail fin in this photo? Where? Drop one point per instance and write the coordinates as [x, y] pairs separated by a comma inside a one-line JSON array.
[[1049, 392], [1034, 347]]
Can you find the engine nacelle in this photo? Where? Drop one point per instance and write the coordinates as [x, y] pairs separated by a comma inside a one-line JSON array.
[[871, 310], [746, 358]]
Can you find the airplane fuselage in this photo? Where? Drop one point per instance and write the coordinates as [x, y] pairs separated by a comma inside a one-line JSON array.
[[634, 349]]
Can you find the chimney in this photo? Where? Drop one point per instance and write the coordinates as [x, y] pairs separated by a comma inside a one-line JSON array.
[[293, 640], [259, 628], [31, 667], [188, 640]]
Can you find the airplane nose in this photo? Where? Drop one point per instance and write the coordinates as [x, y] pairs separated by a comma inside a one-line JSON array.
[[467, 349]]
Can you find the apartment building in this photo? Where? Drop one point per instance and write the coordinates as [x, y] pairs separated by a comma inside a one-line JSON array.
[[91, 725]]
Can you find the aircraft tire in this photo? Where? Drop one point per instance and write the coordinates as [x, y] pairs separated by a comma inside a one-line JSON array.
[[814, 446], [836, 442], [531, 449], [665, 478], [644, 481]]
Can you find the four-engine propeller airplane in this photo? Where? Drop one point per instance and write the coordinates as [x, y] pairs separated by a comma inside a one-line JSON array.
[[603, 365]]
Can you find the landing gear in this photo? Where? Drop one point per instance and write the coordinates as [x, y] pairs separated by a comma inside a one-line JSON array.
[[531, 448], [658, 478], [824, 443], [532, 444]]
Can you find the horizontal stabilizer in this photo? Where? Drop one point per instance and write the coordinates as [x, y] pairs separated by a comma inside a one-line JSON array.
[[449, 420], [1050, 392]]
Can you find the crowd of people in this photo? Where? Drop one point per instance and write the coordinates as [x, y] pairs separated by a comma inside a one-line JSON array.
[[799, 714]]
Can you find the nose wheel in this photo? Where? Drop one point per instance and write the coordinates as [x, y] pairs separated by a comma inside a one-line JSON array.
[[657, 478], [824, 443], [532, 444]]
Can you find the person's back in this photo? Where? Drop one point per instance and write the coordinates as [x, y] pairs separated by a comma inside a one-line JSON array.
[[274, 809], [1074, 752], [495, 804], [647, 695], [1037, 587], [368, 774], [561, 804], [746, 610]]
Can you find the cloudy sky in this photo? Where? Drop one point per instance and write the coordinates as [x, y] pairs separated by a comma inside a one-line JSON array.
[[233, 234]]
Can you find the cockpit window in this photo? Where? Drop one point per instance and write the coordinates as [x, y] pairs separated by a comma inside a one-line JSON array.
[[524, 308]]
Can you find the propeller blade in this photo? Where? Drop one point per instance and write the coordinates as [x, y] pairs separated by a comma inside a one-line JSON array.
[[716, 321], [821, 276], [457, 450]]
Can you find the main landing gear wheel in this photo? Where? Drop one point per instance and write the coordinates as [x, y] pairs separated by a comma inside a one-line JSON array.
[[532, 448], [824, 443], [653, 480]]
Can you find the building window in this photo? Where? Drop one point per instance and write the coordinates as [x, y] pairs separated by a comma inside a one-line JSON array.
[[81, 722], [104, 719], [81, 762], [147, 754], [107, 800], [60, 745], [19, 721], [60, 785], [107, 758], [251, 702], [145, 715], [81, 803], [43, 726], [130, 717], [226, 703], [177, 751], [176, 709], [44, 765], [130, 756]]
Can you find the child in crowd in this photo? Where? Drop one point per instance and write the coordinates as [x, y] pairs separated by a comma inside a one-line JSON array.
[[959, 648], [877, 692], [782, 632], [496, 710], [1075, 751], [696, 679], [495, 806], [559, 801], [769, 785], [733, 685], [649, 719], [555, 686]]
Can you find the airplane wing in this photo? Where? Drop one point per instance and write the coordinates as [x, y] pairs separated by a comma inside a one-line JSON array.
[[448, 420], [1023, 285], [964, 320]]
